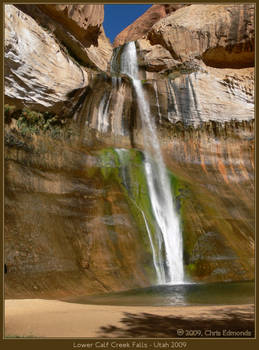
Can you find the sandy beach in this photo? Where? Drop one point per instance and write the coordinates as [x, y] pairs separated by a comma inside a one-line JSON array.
[[54, 318]]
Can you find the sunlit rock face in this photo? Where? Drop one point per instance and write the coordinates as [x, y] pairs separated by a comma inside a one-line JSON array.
[[30, 78], [45, 84], [206, 94], [71, 227], [221, 35], [77, 27], [83, 21], [144, 23]]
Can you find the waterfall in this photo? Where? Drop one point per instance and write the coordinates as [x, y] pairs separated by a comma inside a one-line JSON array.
[[103, 121], [156, 175], [156, 253], [157, 102]]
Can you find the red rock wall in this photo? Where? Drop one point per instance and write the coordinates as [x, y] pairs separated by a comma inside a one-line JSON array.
[[143, 24]]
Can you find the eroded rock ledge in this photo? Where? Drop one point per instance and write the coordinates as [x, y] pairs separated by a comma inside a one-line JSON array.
[[46, 84], [221, 35]]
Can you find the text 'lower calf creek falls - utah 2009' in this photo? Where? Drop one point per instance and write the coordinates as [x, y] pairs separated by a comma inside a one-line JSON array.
[[129, 166]]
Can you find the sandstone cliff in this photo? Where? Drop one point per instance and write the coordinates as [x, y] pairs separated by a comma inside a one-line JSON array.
[[143, 24], [29, 78], [77, 27], [221, 35], [45, 84], [70, 224], [84, 22]]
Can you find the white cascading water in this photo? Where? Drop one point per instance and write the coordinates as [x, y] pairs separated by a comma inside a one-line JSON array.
[[156, 174], [103, 121], [156, 253], [157, 102], [104, 105]]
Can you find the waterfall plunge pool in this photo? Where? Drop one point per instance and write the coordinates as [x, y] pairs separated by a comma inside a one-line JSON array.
[[218, 293]]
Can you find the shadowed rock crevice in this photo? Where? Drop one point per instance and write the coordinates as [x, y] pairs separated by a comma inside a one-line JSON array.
[[239, 56]]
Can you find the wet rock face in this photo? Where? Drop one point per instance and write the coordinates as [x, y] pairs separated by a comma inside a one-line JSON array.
[[208, 94], [217, 210], [221, 35], [69, 229], [143, 24], [201, 96]]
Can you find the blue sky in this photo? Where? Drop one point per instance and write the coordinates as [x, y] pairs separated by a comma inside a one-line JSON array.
[[118, 17]]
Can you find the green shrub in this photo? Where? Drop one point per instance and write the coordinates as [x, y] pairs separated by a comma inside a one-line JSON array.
[[31, 122], [8, 113]]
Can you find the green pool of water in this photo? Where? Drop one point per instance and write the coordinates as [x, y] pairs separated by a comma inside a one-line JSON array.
[[223, 293]]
